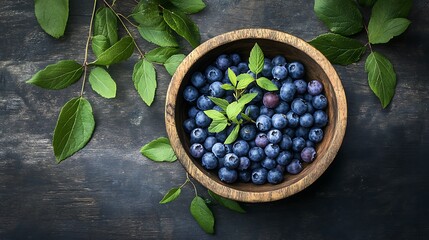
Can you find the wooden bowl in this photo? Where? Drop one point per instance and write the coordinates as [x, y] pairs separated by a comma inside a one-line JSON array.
[[272, 43]]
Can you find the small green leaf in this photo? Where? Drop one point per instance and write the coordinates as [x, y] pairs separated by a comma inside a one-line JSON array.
[[159, 34], [233, 110], [202, 214], [367, 3], [171, 195], [266, 84], [102, 83], [227, 86], [159, 150], [120, 51], [245, 117], [232, 77], [256, 59], [173, 62], [106, 24], [391, 28], [183, 26], [233, 135], [100, 43], [339, 49], [228, 203], [144, 78], [58, 76], [247, 98], [244, 80], [52, 16], [215, 115], [161, 54], [189, 6], [74, 128], [342, 17], [147, 13], [218, 125], [381, 77], [222, 103]]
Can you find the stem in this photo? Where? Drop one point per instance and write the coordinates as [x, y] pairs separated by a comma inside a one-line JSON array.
[[85, 61], [187, 180], [125, 27], [367, 34], [128, 20], [195, 188]]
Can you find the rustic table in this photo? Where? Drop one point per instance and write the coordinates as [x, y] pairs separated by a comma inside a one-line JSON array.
[[376, 188]]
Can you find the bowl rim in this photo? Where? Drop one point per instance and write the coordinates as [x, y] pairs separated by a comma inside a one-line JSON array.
[[236, 35]]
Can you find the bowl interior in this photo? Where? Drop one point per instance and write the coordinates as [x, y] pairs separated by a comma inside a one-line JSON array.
[[292, 183]]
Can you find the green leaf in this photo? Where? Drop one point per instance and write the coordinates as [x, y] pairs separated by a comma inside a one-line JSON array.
[[367, 3], [147, 13], [202, 214], [173, 62], [342, 17], [244, 80], [171, 195], [247, 98], [247, 118], [215, 115], [159, 34], [233, 110], [100, 43], [144, 78], [161, 54], [222, 103], [233, 135], [183, 26], [381, 77], [120, 51], [227, 86], [232, 77], [189, 6], [102, 83], [218, 125], [74, 128], [159, 150], [52, 16], [382, 27], [256, 59], [266, 84], [58, 75], [106, 24], [339, 49], [228, 203]]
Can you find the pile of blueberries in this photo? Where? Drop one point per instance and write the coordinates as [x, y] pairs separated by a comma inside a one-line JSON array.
[[286, 126]]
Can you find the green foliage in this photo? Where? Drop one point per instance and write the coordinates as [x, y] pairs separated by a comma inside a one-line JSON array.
[[52, 16], [144, 78], [99, 44], [159, 150], [173, 62], [161, 54], [228, 203], [256, 59], [102, 83], [183, 26], [189, 6], [171, 195], [202, 214], [118, 52], [106, 24], [160, 34]]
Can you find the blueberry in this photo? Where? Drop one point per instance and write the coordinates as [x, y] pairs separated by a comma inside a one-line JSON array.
[[205, 89], [277, 82], [299, 106], [251, 143], [310, 108], [260, 93], [308, 154], [268, 67], [189, 125], [198, 135], [217, 108], [271, 100], [190, 94], [308, 97], [192, 112], [283, 107], [243, 67], [279, 72], [261, 140], [315, 135], [213, 74], [254, 165], [292, 119], [289, 131], [274, 136], [231, 161], [288, 80], [219, 150], [223, 62], [281, 168], [320, 118], [278, 60], [256, 154], [216, 90], [197, 150], [275, 176], [286, 142], [306, 120], [248, 132], [229, 98], [198, 79], [235, 58], [228, 148], [314, 87], [301, 86], [284, 158], [309, 143], [227, 175], [202, 120], [209, 142], [204, 103], [279, 121], [298, 143], [221, 136], [272, 150], [269, 163], [302, 132], [209, 161], [240, 148], [244, 163], [266, 111], [287, 92], [252, 111], [263, 123], [296, 70], [319, 102], [297, 155], [259, 176], [220, 162], [294, 167], [244, 176]]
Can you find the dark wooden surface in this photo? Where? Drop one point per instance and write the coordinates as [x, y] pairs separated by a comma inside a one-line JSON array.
[[376, 188]]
